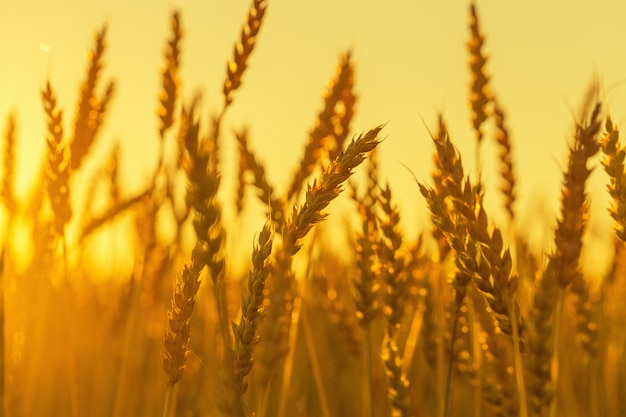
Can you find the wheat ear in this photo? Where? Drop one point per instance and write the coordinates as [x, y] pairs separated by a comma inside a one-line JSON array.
[[613, 163], [331, 127], [170, 76], [91, 108], [394, 278], [58, 170], [10, 139], [246, 331], [243, 49], [570, 228], [439, 187], [204, 181], [322, 192], [178, 329], [267, 195], [479, 85], [506, 160], [367, 286]]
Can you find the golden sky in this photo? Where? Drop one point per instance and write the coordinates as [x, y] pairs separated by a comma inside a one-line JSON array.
[[411, 64]]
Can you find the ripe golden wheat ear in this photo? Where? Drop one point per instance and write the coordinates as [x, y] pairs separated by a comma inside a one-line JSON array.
[[59, 168], [480, 95], [170, 74], [332, 125], [91, 107], [8, 180]]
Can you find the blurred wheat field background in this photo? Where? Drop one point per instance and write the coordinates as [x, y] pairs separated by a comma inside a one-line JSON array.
[[147, 297]]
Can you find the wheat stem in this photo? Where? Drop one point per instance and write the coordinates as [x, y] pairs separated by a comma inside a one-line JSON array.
[[315, 364], [518, 361]]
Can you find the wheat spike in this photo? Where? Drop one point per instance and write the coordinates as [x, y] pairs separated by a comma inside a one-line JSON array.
[[570, 228], [170, 76], [249, 162], [394, 297], [331, 127], [58, 169], [613, 163], [91, 108], [318, 196], [506, 160], [479, 85], [367, 286], [9, 157], [245, 331], [243, 49]]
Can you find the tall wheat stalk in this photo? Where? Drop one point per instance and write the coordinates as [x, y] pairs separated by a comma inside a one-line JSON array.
[[318, 196]]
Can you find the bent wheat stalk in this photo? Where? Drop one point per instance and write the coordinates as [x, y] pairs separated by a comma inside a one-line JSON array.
[[318, 196]]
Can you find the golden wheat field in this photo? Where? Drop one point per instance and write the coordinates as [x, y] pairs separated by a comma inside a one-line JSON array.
[[467, 317]]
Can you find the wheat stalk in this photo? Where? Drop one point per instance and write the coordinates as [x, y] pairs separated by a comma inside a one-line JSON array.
[[562, 267]]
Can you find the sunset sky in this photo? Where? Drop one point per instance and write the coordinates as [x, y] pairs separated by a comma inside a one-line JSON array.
[[411, 64]]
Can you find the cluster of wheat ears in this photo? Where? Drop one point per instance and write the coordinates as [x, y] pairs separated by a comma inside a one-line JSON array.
[[464, 320]]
